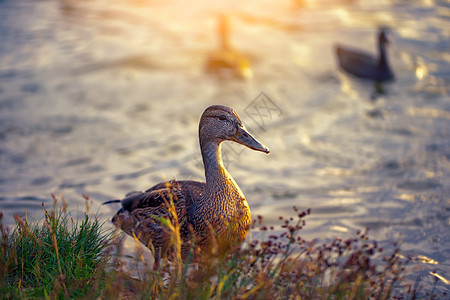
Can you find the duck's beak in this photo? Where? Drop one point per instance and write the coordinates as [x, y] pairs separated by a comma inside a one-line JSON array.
[[243, 137]]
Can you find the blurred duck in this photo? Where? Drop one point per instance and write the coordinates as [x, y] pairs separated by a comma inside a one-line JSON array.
[[214, 212], [364, 65], [226, 60]]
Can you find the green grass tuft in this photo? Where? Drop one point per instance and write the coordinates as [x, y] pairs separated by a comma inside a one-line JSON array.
[[56, 257]]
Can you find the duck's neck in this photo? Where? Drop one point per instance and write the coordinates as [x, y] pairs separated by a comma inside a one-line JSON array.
[[219, 183], [223, 204], [383, 62], [224, 39]]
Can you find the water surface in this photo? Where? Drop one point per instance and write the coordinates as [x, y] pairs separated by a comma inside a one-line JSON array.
[[104, 97]]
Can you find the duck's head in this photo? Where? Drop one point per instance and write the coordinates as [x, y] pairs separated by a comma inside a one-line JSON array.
[[383, 37], [220, 123]]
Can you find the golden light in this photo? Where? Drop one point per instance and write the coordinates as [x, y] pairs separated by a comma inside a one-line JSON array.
[[421, 70], [443, 279]]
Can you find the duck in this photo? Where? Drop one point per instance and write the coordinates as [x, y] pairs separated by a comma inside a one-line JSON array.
[[364, 65], [226, 61], [214, 213]]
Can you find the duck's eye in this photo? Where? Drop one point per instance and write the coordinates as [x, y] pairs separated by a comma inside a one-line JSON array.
[[222, 117]]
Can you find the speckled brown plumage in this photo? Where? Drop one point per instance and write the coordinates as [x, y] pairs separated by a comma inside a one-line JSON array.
[[217, 205]]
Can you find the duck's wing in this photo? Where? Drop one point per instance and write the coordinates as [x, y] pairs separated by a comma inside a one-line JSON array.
[[141, 212], [152, 202], [151, 198]]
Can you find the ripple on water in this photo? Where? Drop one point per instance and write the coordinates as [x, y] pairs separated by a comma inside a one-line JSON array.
[[42, 180], [11, 102], [419, 185], [26, 205], [378, 224], [335, 210], [30, 88], [393, 168], [78, 161], [8, 74]]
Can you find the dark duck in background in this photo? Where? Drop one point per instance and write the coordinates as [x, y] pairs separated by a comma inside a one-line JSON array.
[[364, 65]]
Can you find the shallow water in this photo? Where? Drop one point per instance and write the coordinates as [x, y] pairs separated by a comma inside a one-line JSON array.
[[104, 97]]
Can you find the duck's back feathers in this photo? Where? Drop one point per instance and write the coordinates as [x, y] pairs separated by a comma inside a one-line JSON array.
[[160, 193], [141, 211], [349, 56], [356, 62]]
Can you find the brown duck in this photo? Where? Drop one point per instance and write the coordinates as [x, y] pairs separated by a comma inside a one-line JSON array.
[[226, 60], [212, 212]]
